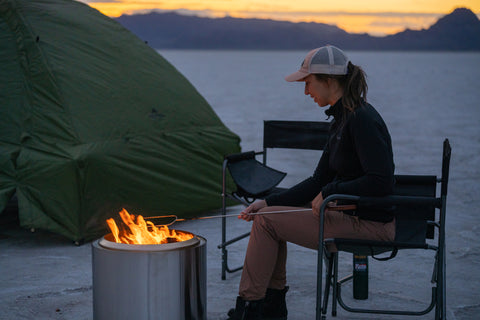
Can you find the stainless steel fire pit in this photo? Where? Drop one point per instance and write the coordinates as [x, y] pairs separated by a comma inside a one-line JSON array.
[[161, 281]]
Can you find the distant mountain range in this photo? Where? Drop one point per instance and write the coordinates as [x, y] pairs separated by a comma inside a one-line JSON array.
[[457, 31]]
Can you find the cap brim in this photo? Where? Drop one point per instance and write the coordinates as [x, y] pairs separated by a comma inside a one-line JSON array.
[[296, 76]]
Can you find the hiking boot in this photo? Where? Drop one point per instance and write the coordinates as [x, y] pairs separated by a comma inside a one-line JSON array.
[[275, 307], [246, 310]]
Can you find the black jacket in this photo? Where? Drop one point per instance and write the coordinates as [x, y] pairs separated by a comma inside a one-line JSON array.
[[357, 160]]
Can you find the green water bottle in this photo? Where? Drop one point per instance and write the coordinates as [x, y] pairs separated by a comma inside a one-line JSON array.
[[360, 277]]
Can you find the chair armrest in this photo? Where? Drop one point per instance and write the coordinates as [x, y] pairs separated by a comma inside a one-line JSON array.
[[384, 201], [400, 200], [343, 207], [234, 157]]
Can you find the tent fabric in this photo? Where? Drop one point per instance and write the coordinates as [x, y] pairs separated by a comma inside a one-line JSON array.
[[93, 120]]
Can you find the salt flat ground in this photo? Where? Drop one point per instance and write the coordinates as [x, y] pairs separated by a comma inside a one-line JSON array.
[[423, 97]]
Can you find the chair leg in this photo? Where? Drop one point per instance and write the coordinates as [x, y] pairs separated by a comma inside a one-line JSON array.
[[224, 233], [440, 310], [335, 280], [438, 278], [444, 286], [328, 280], [224, 251]]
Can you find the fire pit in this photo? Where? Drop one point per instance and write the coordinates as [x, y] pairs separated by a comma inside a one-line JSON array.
[[149, 281]]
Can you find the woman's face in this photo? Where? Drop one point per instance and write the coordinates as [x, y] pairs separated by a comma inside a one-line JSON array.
[[320, 91]]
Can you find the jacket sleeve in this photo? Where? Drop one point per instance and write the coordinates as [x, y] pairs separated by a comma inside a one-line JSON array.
[[372, 144], [305, 191]]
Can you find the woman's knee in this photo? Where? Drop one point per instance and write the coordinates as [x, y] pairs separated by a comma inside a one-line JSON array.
[[266, 224], [267, 216]]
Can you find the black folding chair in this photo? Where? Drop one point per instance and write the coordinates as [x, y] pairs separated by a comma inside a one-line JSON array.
[[420, 224], [254, 179]]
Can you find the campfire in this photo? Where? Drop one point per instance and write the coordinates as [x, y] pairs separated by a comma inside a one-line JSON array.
[[145, 271], [135, 230]]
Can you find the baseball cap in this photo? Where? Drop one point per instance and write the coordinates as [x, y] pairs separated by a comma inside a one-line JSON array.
[[325, 60]]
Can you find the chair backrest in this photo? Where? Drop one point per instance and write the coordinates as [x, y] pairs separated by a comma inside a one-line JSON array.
[[411, 221], [407, 217], [311, 135], [254, 179]]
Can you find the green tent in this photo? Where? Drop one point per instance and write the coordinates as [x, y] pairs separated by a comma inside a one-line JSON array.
[[93, 120]]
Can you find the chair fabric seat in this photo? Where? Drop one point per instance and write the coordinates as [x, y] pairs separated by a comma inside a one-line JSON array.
[[372, 247], [253, 179]]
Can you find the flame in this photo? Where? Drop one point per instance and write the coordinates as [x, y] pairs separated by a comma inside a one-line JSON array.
[[143, 232]]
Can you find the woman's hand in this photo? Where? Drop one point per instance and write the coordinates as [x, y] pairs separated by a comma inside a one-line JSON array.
[[316, 204], [254, 207]]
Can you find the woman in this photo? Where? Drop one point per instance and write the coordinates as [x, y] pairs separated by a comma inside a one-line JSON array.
[[357, 160]]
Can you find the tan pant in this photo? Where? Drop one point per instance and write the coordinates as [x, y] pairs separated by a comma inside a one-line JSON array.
[[266, 256]]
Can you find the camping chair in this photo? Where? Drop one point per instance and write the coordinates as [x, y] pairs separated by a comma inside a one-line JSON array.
[[254, 179], [417, 219]]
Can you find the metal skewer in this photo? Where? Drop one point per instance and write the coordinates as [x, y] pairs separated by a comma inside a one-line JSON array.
[[174, 218]]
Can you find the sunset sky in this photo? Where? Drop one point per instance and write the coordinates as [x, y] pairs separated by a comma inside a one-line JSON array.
[[376, 17]]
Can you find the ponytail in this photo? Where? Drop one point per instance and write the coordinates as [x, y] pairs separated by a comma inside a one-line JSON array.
[[354, 87]]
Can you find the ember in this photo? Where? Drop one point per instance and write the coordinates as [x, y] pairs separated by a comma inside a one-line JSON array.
[[139, 231]]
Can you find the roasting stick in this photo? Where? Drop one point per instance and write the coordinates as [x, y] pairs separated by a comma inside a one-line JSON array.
[[174, 218]]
